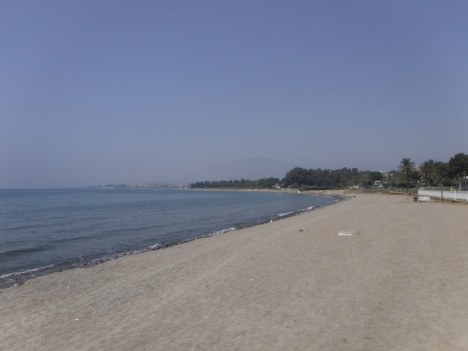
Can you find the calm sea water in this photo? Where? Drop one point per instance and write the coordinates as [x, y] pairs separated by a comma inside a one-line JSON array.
[[48, 227]]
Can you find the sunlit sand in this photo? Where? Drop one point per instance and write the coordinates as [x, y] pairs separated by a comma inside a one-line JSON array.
[[397, 279]]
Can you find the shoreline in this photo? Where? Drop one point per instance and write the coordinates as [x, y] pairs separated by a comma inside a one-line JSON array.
[[396, 280], [19, 278]]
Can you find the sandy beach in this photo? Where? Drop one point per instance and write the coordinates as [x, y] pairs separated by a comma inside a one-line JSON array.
[[399, 281]]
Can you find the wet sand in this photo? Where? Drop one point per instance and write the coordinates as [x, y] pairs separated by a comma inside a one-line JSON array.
[[399, 281]]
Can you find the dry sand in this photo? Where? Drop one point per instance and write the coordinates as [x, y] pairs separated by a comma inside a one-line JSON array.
[[399, 282]]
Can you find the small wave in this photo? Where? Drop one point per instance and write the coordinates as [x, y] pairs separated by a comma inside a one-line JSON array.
[[26, 271], [225, 230], [310, 208], [284, 214]]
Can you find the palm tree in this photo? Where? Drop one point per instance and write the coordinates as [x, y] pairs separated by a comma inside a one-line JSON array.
[[429, 172], [398, 179], [406, 168]]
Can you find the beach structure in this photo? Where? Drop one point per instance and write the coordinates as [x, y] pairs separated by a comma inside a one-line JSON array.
[[444, 195], [463, 184]]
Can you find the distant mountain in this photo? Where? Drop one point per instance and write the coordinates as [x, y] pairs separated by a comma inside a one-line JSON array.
[[250, 168]]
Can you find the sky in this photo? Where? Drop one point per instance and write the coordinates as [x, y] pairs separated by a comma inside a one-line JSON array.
[[99, 92]]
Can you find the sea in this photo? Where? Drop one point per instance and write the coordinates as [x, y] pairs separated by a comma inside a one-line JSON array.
[[43, 231]]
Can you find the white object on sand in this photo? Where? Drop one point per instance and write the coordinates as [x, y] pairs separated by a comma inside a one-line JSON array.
[[348, 232]]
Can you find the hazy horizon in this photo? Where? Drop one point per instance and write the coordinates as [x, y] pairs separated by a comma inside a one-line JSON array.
[[97, 93], [250, 169]]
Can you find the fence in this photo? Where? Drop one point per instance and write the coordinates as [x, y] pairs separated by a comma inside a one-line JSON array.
[[413, 191], [442, 194]]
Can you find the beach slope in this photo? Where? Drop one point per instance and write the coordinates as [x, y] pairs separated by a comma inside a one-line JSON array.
[[378, 272]]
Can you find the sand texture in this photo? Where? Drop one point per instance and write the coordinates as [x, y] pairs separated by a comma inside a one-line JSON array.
[[395, 279]]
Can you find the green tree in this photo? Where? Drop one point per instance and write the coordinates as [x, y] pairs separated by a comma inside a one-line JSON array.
[[406, 169], [398, 179], [429, 173], [365, 178], [458, 164], [376, 176], [297, 176], [392, 178], [416, 176]]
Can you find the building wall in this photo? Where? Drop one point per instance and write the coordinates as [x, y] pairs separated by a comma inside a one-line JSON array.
[[463, 185]]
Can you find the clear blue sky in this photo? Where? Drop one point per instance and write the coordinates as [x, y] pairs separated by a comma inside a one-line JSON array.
[[142, 91]]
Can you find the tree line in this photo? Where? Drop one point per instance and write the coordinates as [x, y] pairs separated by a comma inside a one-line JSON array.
[[263, 183], [429, 173]]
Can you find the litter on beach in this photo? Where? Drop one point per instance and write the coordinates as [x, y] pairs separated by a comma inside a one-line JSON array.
[[347, 232]]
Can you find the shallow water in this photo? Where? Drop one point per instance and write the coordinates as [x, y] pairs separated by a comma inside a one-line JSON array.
[[47, 227]]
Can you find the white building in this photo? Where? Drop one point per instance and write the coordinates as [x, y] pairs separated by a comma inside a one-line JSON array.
[[463, 184]]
